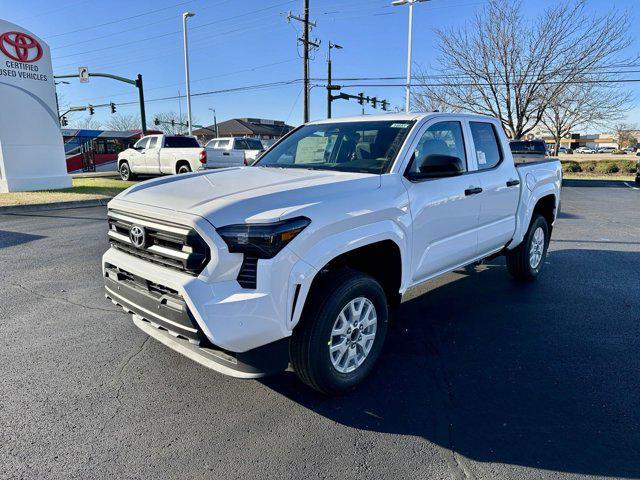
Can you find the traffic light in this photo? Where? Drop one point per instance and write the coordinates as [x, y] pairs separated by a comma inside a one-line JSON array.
[[361, 98], [156, 121], [374, 102], [113, 107], [384, 105], [91, 111], [63, 121]]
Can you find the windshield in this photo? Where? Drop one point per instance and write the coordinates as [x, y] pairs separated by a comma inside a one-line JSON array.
[[528, 147], [368, 147]]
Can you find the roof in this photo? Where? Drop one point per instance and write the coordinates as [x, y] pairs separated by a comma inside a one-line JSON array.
[[397, 117], [238, 127]]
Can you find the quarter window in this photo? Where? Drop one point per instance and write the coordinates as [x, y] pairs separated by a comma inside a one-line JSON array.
[[444, 138], [486, 144]]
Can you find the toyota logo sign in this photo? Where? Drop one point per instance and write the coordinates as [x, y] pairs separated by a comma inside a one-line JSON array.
[[20, 47], [138, 236]]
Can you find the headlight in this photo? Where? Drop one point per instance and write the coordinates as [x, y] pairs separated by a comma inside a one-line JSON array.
[[263, 240]]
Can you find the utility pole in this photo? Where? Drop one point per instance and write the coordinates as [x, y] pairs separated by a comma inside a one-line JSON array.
[[306, 43], [215, 121]]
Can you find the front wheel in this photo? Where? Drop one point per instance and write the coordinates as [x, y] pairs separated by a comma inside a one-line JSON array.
[[125, 172], [526, 260], [340, 336]]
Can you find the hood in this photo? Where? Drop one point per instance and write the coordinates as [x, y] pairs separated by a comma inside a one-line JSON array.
[[247, 194]]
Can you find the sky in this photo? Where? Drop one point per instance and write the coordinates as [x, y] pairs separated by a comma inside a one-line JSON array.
[[236, 43]]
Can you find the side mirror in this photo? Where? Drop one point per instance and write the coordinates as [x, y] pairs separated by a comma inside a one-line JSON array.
[[438, 166], [138, 149]]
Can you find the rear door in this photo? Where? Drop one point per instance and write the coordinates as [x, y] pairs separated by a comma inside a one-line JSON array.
[[445, 210], [500, 186]]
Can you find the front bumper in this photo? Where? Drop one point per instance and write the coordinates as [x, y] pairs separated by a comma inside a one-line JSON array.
[[163, 314]]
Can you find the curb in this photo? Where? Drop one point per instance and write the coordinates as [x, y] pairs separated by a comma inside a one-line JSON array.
[[94, 202]]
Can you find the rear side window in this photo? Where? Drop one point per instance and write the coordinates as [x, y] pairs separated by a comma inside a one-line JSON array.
[[180, 142], [223, 144], [486, 144]]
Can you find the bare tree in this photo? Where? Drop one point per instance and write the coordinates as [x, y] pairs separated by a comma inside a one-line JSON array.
[[579, 106], [123, 122], [624, 135], [171, 123], [87, 122], [504, 65]]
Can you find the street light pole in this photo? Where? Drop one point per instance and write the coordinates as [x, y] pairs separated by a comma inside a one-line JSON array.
[[215, 122], [331, 45], [186, 15], [409, 44]]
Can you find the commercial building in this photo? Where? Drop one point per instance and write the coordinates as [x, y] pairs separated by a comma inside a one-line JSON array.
[[262, 129]]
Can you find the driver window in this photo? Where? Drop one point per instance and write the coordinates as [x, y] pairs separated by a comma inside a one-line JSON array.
[[142, 143], [444, 138], [152, 142]]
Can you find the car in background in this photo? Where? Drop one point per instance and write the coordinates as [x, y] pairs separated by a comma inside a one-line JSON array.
[[161, 154], [584, 150], [606, 150], [526, 151], [565, 151], [232, 151]]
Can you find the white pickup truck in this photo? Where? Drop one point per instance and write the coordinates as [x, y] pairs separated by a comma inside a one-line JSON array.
[[161, 154], [233, 152], [300, 259]]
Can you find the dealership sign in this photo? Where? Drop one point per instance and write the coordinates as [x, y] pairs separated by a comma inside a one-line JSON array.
[[31, 149]]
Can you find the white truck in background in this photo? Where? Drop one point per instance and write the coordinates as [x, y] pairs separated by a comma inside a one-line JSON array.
[[300, 259], [161, 154], [233, 151]]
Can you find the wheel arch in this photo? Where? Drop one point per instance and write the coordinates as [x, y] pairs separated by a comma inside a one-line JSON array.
[[383, 256], [181, 162], [545, 201]]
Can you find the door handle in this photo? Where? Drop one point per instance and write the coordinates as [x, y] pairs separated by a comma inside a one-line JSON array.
[[513, 183], [473, 191], [226, 154]]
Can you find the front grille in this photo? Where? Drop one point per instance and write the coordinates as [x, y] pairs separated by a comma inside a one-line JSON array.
[[168, 244], [247, 276]]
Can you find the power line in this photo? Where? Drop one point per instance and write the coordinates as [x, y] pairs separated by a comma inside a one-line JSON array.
[[90, 27], [155, 37], [476, 84], [259, 86]]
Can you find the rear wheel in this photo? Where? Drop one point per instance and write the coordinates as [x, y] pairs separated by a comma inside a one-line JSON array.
[[183, 168], [525, 261], [341, 333], [125, 172]]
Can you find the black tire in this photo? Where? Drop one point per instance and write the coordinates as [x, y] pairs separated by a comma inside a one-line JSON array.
[[309, 349], [519, 262], [183, 168], [125, 172]]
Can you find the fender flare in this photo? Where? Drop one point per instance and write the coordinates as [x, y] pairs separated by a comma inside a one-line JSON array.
[[524, 215], [305, 270]]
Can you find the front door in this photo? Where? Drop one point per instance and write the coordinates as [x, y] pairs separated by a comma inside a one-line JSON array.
[[152, 156], [445, 208]]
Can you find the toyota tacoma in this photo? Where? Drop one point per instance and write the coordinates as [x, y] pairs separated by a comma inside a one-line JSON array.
[[299, 260]]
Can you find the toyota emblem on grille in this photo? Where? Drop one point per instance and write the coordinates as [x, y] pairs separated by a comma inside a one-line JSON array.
[[138, 236]]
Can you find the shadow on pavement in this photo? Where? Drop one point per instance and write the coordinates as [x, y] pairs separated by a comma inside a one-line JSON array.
[[538, 375], [596, 183], [11, 239]]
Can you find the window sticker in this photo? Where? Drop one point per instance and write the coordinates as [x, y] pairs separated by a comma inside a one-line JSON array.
[[399, 125], [482, 158]]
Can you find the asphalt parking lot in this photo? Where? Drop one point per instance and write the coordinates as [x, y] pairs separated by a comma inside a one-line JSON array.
[[481, 377]]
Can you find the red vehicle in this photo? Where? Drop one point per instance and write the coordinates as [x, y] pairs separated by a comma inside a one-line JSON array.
[[96, 150]]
